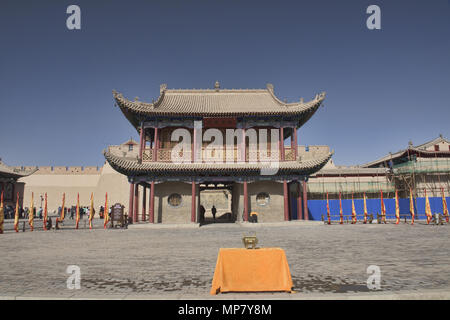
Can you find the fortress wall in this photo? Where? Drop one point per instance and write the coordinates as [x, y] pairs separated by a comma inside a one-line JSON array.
[[98, 181]]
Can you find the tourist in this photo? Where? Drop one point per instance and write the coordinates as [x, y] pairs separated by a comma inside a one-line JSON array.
[[40, 213], [213, 211], [202, 213]]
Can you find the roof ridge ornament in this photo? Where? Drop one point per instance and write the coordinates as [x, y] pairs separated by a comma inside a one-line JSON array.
[[162, 88], [269, 87], [217, 86]]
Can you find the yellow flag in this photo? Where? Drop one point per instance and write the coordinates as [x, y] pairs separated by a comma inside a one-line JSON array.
[[411, 206], [16, 215], [78, 211], [31, 215], [91, 211], [427, 208], [45, 212], [444, 205], [62, 208], [2, 213], [106, 212], [397, 208]]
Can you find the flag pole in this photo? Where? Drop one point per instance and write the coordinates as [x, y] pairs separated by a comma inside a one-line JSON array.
[[31, 214]]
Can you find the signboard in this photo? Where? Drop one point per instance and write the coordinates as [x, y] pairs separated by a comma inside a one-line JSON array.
[[117, 214]]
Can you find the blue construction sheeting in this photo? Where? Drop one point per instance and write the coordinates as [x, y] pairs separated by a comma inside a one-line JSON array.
[[317, 208]]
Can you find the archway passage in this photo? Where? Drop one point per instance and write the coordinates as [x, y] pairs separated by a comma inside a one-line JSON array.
[[216, 195]]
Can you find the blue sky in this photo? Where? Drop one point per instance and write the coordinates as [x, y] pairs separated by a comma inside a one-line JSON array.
[[384, 87]]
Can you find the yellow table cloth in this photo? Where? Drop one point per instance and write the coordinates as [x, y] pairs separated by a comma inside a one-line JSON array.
[[251, 270]]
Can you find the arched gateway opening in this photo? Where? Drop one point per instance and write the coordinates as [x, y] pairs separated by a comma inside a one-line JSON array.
[[216, 203]]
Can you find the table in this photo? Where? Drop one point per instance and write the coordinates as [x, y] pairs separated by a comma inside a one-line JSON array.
[[251, 270]]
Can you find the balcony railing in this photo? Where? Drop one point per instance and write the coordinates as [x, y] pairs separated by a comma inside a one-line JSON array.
[[165, 155]]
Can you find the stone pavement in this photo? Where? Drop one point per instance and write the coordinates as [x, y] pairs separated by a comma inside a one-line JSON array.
[[178, 263]]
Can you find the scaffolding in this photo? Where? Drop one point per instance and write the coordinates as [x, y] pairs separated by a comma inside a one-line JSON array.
[[418, 175]]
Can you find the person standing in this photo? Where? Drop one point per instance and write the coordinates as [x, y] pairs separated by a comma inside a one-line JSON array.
[[214, 211]]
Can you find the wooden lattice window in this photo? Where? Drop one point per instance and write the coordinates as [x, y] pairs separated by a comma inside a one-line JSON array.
[[174, 200]]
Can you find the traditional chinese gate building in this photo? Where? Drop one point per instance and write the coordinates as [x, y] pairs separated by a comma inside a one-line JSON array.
[[174, 188]]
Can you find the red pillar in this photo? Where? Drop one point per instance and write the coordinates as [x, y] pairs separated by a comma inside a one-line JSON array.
[[282, 143], [144, 204], [152, 203], [295, 142], [299, 202], [193, 213], [155, 145], [286, 201], [305, 202], [136, 203], [131, 210], [245, 201]]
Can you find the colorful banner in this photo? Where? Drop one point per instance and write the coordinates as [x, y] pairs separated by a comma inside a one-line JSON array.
[[16, 215], [31, 215], [2, 214], [61, 219], [427, 208], [78, 211], [397, 208], [444, 205], [353, 211], [91, 211], [383, 209], [411, 206], [365, 209], [106, 212], [328, 211], [341, 219], [45, 212]]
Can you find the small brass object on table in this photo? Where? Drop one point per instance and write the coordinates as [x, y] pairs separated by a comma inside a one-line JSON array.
[[250, 241]]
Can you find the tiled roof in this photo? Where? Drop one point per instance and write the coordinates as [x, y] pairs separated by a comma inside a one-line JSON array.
[[420, 150], [132, 167], [351, 171], [218, 102], [11, 172]]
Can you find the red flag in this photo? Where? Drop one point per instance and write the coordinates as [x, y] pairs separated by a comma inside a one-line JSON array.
[[365, 209], [411, 206], [16, 215], [328, 210], [383, 209]]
